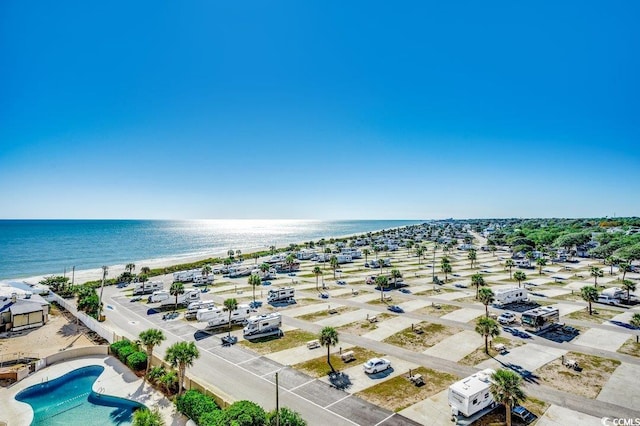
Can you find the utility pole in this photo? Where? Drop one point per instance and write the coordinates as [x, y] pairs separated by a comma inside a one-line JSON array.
[[277, 402], [73, 275], [105, 269]]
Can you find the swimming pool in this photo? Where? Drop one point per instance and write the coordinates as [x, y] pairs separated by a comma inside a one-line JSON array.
[[69, 401]]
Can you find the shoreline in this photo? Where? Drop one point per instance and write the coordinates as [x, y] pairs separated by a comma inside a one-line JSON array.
[[84, 275]]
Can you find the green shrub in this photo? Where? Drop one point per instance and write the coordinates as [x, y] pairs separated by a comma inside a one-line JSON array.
[[117, 346], [137, 361], [155, 373], [194, 404], [125, 351], [287, 418], [213, 418], [242, 413]]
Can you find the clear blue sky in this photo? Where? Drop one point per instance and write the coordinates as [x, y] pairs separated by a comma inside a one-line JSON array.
[[325, 110]]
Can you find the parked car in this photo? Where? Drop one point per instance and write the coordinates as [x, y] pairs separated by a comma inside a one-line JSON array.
[[375, 365], [135, 299], [404, 290], [396, 309], [523, 414], [324, 295], [341, 282], [507, 318]]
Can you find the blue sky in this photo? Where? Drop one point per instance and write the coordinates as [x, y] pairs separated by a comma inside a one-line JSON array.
[[319, 110]]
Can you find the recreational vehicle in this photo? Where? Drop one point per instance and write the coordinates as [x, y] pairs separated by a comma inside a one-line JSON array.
[[263, 325], [539, 319], [507, 295], [216, 317], [166, 299], [471, 395], [280, 294], [147, 287], [305, 254], [194, 307], [240, 271], [344, 258]]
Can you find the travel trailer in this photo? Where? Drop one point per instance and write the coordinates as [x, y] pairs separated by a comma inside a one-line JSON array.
[[285, 294], [240, 271], [539, 319], [471, 395], [344, 258], [305, 254], [216, 317], [194, 307], [614, 293], [186, 276], [147, 287], [263, 325], [166, 299], [507, 295], [202, 280]]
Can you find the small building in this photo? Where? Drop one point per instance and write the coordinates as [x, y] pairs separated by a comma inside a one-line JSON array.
[[21, 313]]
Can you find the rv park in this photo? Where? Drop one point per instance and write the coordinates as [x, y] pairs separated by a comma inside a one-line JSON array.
[[577, 367]]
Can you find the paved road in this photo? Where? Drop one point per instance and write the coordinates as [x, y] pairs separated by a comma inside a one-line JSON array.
[[242, 374]]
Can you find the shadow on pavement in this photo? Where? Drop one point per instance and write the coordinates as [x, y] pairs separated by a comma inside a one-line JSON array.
[[340, 380]]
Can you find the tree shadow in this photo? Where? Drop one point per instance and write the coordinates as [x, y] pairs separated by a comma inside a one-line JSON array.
[[340, 380]]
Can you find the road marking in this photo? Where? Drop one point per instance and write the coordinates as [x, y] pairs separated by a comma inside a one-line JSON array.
[[305, 383], [250, 359], [385, 419], [335, 402]]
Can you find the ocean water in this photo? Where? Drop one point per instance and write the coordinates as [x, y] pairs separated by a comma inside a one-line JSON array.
[[39, 247]]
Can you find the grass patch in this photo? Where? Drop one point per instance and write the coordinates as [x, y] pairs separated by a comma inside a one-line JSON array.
[[478, 355], [271, 344], [399, 392], [599, 315], [364, 326], [314, 316], [418, 342], [630, 347], [318, 367], [536, 406], [437, 311], [575, 297], [596, 371], [434, 292]]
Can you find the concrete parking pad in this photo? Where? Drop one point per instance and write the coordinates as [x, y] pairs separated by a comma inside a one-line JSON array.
[[530, 357], [463, 315], [347, 318], [366, 297], [360, 380], [540, 281], [302, 353], [340, 291], [618, 390], [360, 411], [606, 339], [553, 292], [451, 295], [456, 347], [320, 393], [560, 416], [389, 327], [309, 309], [413, 305], [567, 308], [435, 408]]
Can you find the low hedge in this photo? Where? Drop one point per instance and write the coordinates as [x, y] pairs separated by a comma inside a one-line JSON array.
[[137, 361], [116, 347], [194, 404]]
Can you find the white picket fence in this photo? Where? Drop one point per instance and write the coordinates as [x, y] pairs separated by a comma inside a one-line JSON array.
[[90, 322]]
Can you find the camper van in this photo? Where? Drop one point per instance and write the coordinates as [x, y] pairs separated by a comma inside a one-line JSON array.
[[507, 295], [471, 395], [281, 294], [147, 287]]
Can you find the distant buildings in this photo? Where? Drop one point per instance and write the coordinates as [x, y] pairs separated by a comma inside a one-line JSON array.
[[21, 310]]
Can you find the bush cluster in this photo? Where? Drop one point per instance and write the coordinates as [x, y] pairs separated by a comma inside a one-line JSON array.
[[129, 353]]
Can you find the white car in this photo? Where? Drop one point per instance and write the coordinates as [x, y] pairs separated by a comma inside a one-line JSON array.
[[375, 365], [507, 318]]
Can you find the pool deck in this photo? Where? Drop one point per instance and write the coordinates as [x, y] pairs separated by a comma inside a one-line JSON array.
[[116, 380]]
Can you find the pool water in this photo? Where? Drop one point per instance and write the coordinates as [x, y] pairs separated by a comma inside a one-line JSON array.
[[69, 401]]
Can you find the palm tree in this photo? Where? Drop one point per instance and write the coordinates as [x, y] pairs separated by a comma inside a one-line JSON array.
[[445, 266], [176, 290], [264, 267], [624, 267], [366, 253], [419, 253], [329, 337], [206, 270], [505, 388], [181, 355], [519, 276], [130, 267], [487, 327], [509, 263], [150, 338], [334, 265], [595, 273], [589, 294], [382, 281], [486, 296], [395, 274], [168, 380], [290, 260], [254, 281], [492, 249], [230, 252], [272, 250], [629, 286], [478, 281], [145, 270], [230, 305], [541, 262], [611, 260], [376, 250], [472, 256], [635, 320], [255, 256], [146, 417], [317, 272]]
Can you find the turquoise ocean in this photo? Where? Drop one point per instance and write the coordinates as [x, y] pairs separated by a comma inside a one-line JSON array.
[[38, 247]]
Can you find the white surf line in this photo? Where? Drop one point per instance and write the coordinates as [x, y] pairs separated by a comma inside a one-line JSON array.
[[252, 373], [335, 402]]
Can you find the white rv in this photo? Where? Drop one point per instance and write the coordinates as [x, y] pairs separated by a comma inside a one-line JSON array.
[[614, 293], [263, 325], [280, 294], [344, 258], [166, 299], [147, 287], [240, 271], [202, 279], [186, 276], [305, 254], [507, 295], [194, 307], [216, 316], [471, 395]]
